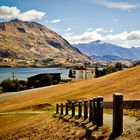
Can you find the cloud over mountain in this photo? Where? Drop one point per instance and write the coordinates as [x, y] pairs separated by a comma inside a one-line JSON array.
[[31, 15], [7, 12], [125, 39]]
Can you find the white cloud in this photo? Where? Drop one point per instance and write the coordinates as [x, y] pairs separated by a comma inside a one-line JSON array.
[[56, 21], [125, 39], [134, 35], [85, 37], [90, 29], [7, 12], [103, 30], [68, 29], [31, 15], [115, 4]]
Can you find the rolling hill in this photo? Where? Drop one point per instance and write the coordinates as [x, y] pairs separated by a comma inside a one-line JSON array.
[[29, 43], [126, 82]]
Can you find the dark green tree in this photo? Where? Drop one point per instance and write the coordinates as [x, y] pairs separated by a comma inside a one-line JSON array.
[[71, 74], [118, 66], [97, 71], [109, 69], [46, 80]]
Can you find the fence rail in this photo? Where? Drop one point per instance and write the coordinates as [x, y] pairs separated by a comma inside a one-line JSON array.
[[133, 104], [93, 110]]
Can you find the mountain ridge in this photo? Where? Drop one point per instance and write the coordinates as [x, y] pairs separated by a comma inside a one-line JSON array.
[[35, 44], [101, 49]]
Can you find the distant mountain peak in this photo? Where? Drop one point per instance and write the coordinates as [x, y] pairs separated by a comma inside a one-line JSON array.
[[97, 42], [16, 20]]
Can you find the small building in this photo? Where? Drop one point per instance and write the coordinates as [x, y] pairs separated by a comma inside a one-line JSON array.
[[44, 79], [83, 74]]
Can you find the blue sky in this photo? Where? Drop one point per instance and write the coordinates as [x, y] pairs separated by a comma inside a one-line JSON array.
[[81, 21]]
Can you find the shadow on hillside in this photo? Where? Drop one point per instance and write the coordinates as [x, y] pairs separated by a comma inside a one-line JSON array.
[[92, 131]]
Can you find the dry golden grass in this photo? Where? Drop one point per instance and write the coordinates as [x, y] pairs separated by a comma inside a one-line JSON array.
[[126, 82], [11, 121], [44, 126]]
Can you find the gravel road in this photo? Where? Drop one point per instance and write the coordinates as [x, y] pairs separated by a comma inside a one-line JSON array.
[[11, 94], [131, 125]]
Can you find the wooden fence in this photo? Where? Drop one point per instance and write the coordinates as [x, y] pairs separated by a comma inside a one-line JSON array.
[[93, 110]]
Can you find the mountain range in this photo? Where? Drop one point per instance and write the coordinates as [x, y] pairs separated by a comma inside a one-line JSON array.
[[99, 50], [31, 44]]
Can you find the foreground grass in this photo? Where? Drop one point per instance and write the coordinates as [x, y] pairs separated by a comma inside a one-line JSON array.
[[11, 121], [42, 126], [49, 126]]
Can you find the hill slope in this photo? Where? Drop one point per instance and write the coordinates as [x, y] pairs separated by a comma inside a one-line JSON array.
[[28, 43], [126, 82]]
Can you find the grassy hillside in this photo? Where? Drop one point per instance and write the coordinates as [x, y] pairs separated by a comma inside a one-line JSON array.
[[126, 82]]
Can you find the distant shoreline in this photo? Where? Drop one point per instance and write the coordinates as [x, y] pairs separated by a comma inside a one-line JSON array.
[[25, 72], [49, 66]]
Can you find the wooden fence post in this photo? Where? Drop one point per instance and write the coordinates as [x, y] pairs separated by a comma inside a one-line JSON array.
[[99, 117], [85, 109], [94, 111], [73, 108], [57, 108], [61, 109], [67, 107], [79, 108], [117, 114], [90, 109]]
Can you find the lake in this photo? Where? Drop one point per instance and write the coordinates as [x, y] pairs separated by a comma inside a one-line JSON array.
[[24, 73]]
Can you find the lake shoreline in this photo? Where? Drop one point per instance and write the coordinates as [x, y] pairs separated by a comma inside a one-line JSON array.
[[51, 66], [23, 73]]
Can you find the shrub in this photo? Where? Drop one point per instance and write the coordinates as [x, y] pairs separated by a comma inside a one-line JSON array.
[[23, 85], [46, 80], [8, 85], [13, 85]]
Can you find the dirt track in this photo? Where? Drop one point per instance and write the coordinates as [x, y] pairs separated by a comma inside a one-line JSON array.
[[29, 91]]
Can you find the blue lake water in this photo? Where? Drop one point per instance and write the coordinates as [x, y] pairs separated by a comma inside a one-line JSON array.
[[24, 73]]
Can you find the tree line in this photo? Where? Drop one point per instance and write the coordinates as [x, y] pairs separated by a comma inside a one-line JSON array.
[[9, 85], [110, 69]]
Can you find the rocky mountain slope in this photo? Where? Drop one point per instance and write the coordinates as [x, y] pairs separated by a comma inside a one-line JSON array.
[[29, 43], [109, 52]]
